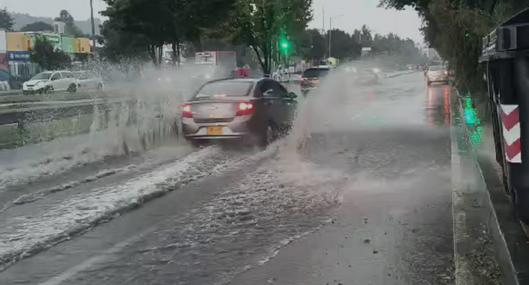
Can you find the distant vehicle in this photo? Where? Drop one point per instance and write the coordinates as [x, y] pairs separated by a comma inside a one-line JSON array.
[[50, 81], [437, 73], [296, 77], [253, 110], [311, 78], [366, 77], [87, 80]]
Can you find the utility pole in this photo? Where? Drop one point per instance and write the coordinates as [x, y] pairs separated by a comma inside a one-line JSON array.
[[93, 26], [330, 32], [323, 20], [330, 37]]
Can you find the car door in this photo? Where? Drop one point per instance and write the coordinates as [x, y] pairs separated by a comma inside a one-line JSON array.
[[271, 100], [283, 106], [289, 106], [56, 79], [95, 80], [82, 80], [67, 79]]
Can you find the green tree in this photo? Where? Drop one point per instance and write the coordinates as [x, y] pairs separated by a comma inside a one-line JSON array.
[[120, 45], [37, 27], [344, 45], [261, 23], [314, 45], [70, 29], [6, 20], [166, 21], [47, 57]]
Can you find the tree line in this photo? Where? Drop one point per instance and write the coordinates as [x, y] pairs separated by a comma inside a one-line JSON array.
[[455, 28], [348, 46], [138, 30]]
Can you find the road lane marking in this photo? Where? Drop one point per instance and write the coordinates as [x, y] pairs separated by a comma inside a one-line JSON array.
[[71, 272]]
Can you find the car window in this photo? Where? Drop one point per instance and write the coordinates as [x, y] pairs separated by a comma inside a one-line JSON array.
[[42, 76], [279, 90], [269, 88], [436, 68], [282, 90], [56, 76], [315, 72], [224, 89], [67, 75]]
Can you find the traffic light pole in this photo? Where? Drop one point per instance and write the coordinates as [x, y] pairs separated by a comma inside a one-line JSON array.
[[330, 37], [93, 26]]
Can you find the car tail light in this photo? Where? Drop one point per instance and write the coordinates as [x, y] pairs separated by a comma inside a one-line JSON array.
[[245, 108], [186, 111]]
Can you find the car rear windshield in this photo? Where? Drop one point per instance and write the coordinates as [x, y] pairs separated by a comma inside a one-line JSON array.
[[315, 72], [40, 76], [221, 89], [437, 68]]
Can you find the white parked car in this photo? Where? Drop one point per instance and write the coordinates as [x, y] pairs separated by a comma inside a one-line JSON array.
[[87, 80], [50, 81]]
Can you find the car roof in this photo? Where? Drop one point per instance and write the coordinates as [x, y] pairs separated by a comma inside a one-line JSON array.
[[318, 68], [250, 80]]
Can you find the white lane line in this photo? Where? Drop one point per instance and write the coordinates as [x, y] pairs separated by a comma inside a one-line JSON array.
[[71, 272]]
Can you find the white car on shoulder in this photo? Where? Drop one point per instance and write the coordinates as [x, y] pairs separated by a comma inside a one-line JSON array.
[[50, 81], [87, 80]]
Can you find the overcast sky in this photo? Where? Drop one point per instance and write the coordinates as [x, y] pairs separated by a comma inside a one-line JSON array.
[[80, 9], [347, 14], [352, 14]]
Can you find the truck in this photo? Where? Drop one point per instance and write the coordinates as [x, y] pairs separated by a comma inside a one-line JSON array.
[[505, 56]]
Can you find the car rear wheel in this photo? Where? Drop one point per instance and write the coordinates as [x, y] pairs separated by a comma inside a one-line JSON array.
[[46, 90], [269, 135]]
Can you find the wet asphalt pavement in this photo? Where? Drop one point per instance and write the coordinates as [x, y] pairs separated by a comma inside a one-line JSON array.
[[359, 193]]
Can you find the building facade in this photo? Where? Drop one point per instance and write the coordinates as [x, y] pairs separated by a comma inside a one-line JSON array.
[[16, 48]]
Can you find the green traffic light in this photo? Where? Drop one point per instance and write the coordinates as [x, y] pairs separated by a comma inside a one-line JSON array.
[[284, 45]]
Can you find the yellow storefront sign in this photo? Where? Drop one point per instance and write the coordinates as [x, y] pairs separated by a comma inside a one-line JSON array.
[[82, 45], [18, 42]]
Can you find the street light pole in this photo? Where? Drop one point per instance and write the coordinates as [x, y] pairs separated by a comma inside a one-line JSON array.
[[330, 36], [330, 33], [93, 26]]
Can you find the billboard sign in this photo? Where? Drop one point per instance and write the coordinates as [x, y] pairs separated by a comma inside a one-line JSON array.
[[19, 56]]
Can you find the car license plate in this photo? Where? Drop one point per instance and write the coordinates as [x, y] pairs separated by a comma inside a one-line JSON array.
[[215, 131]]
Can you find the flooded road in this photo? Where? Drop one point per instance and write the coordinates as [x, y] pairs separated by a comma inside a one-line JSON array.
[[358, 193]]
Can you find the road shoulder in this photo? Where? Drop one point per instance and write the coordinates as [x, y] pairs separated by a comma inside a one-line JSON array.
[[476, 247]]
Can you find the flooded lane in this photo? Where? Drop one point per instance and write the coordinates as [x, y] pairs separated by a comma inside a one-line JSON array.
[[359, 193]]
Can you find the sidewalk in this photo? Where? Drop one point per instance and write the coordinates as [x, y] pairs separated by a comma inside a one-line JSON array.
[[510, 241]]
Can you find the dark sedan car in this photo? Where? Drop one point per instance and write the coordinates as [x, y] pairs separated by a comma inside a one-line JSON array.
[[256, 110], [312, 77]]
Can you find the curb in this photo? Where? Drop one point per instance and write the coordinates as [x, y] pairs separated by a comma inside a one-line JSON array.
[[474, 216]]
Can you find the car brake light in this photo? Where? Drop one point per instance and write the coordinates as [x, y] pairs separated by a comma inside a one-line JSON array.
[[245, 108], [186, 111]]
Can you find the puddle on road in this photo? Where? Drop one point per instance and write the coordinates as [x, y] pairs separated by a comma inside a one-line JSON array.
[[268, 208]]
